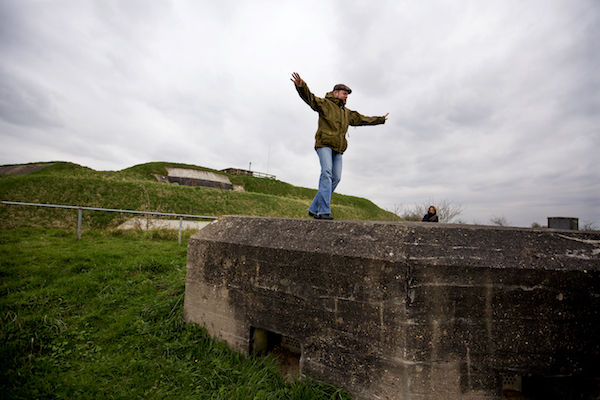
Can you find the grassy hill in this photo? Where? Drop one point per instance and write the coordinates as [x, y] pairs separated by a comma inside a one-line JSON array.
[[136, 188], [103, 317]]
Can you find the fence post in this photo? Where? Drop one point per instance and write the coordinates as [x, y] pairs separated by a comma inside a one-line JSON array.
[[180, 228], [79, 216]]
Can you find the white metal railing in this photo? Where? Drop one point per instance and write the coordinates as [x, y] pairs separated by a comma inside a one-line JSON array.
[[81, 208]]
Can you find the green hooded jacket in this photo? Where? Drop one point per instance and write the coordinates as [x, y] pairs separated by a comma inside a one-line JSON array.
[[334, 119]]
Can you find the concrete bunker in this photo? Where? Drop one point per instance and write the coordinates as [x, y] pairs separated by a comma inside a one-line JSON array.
[[407, 310], [197, 177]]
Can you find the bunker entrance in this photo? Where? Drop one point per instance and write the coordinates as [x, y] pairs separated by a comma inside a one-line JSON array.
[[284, 349], [528, 387], [560, 387]]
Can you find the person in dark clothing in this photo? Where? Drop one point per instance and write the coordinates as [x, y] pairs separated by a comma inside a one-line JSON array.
[[431, 215]]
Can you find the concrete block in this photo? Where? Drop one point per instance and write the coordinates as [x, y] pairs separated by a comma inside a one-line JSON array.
[[407, 310]]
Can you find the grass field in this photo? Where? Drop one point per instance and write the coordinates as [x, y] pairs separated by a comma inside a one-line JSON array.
[[102, 318]]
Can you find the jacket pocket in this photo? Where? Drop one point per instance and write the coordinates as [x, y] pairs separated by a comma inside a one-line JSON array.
[[329, 139]]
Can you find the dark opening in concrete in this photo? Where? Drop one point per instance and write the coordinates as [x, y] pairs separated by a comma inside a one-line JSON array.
[[559, 387], [531, 387], [285, 349]]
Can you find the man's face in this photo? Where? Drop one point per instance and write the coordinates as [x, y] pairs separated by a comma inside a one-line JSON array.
[[341, 94]]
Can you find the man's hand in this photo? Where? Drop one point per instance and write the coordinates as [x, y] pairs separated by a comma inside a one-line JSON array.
[[296, 79]]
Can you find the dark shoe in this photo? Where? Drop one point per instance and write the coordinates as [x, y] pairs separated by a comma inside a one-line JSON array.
[[324, 216], [311, 214]]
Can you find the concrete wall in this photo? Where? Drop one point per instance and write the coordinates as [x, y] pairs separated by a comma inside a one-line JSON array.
[[569, 223], [195, 177], [197, 174], [408, 310]]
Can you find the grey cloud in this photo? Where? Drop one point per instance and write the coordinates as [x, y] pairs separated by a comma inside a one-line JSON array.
[[494, 105], [25, 103]]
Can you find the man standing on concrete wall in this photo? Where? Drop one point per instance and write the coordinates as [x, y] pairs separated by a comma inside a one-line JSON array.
[[330, 139]]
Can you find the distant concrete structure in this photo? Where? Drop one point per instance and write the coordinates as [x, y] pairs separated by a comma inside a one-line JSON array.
[[563, 223], [145, 224], [196, 177], [238, 171], [404, 310]]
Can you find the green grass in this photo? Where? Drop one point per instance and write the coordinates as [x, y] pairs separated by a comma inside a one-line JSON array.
[[102, 318], [136, 188]]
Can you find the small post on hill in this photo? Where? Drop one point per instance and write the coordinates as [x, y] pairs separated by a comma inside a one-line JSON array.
[[79, 217], [180, 228]]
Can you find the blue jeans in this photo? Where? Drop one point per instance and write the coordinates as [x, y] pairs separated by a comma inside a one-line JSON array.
[[331, 174]]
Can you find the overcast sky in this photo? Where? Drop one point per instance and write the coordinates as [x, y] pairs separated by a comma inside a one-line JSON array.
[[494, 105]]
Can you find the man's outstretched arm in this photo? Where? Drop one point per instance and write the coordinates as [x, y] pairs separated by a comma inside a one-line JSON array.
[[304, 92], [357, 119]]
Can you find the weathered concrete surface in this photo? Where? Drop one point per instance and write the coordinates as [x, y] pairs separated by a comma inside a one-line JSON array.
[[408, 310], [158, 223], [195, 177]]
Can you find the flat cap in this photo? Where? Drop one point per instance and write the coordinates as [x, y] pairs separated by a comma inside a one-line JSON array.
[[341, 86]]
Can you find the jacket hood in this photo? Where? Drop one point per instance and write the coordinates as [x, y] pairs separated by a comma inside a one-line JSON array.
[[339, 102]]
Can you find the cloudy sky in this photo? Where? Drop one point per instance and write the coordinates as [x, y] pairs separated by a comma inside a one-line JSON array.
[[494, 105]]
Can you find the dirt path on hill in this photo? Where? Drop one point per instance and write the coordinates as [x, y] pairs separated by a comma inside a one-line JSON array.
[[22, 169]]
